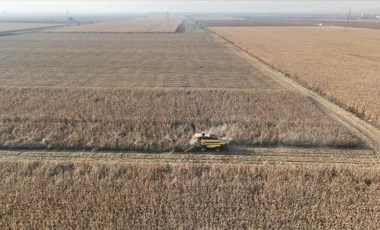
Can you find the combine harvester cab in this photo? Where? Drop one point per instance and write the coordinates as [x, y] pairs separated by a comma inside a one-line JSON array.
[[206, 141]]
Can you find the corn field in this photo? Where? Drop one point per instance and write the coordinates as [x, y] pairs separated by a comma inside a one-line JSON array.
[[161, 120], [114, 195], [343, 65]]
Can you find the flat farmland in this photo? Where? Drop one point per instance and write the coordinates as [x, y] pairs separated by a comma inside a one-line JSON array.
[[343, 64], [6, 27], [129, 26], [135, 92], [93, 127], [124, 60], [162, 120], [273, 21], [115, 193]]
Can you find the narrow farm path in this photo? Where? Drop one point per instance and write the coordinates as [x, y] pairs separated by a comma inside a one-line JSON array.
[[369, 133], [248, 156]]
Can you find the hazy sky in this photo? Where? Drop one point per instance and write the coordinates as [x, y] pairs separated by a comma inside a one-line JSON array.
[[262, 6]]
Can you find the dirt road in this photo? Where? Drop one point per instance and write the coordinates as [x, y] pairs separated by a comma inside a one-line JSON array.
[[362, 128]]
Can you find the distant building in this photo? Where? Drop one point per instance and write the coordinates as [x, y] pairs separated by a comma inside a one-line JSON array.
[[377, 17]]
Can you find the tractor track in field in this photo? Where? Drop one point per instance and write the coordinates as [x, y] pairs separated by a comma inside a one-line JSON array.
[[358, 126], [249, 156]]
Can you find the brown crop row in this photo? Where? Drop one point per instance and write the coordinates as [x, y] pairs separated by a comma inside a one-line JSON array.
[[121, 195], [343, 64], [159, 119]]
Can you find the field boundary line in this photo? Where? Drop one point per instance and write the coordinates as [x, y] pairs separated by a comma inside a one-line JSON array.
[[363, 129]]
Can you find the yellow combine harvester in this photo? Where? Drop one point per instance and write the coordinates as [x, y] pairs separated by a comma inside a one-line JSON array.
[[206, 141]]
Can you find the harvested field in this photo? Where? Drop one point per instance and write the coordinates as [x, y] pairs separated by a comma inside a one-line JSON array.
[[161, 120], [120, 194], [5, 27], [130, 26], [342, 64], [125, 60], [263, 22], [286, 22]]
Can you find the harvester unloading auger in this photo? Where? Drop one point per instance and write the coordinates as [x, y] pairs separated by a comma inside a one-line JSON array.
[[206, 141]]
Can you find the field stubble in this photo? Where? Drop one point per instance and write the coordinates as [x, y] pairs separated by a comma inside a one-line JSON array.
[[124, 60], [158, 25]]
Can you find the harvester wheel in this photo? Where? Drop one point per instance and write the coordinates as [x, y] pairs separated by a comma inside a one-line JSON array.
[[203, 149], [217, 150]]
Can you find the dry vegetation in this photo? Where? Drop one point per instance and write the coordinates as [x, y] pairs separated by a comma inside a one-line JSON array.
[[124, 60], [159, 25], [120, 195], [152, 92], [343, 64], [4, 26], [158, 119], [121, 110]]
